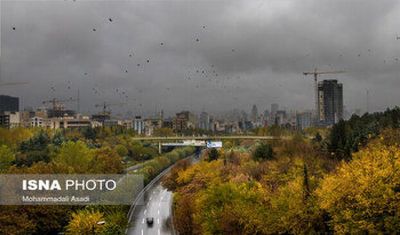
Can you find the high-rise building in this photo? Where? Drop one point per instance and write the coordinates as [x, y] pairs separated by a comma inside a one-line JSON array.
[[184, 120], [204, 122], [280, 117], [138, 125], [9, 103], [254, 114], [330, 98], [303, 120], [274, 110]]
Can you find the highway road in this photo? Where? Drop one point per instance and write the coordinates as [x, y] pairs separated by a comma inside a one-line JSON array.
[[157, 204]]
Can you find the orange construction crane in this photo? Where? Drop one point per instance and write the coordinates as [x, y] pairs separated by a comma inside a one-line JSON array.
[[316, 73]]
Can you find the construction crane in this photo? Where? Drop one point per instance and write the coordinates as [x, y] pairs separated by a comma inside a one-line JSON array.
[[106, 106], [316, 73], [58, 104]]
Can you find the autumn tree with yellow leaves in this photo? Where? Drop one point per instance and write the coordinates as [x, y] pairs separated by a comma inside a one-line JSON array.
[[363, 196]]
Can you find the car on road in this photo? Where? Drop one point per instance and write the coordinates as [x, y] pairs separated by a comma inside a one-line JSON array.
[[150, 221]]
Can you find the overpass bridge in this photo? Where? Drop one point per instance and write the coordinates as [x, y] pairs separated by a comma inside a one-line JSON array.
[[222, 137], [200, 141]]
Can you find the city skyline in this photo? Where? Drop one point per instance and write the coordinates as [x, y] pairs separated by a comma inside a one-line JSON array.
[[212, 56]]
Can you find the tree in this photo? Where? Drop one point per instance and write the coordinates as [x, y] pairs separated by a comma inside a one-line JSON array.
[[213, 154], [15, 221], [230, 208], [105, 160], [317, 138], [34, 150], [15, 136], [338, 139], [121, 150], [263, 152], [89, 133], [31, 157], [165, 131], [58, 139], [76, 156], [86, 222], [363, 196], [306, 183], [38, 142], [169, 181], [6, 158]]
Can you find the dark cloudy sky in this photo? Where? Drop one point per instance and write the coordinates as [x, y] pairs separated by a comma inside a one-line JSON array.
[[251, 52]]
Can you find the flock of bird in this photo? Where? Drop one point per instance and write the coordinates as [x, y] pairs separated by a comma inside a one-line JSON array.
[[199, 76]]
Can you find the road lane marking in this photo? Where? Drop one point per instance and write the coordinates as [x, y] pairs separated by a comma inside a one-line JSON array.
[[158, 231], [142, 231], [150, 199], [143, 221], [158, 211], [158, 220], [144, 212]]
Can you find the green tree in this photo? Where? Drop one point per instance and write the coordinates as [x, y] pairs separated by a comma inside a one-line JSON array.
[[34, 150], [58, 139], [37, 142], [163, 132], [121, 150], [76, 156], [89, 133], [263, 152], [6, 158], [213, 154], [317, 138]]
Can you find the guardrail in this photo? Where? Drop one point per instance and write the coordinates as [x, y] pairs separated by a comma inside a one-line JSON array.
[[149, 185]]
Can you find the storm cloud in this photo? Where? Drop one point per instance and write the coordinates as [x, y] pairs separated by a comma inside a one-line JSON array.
[[199, 55]]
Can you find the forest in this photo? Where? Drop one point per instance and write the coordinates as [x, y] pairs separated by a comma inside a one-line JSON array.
[[84, 151], [344, 180]]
